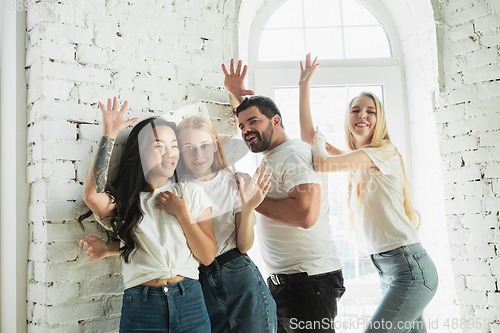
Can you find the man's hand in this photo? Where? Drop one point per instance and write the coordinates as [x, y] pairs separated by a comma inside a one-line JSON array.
[[234, 80]]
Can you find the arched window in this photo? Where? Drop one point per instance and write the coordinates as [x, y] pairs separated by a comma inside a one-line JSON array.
[[330, 29], [357, 48]]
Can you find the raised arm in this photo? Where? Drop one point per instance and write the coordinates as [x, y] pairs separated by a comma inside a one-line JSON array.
[[99, 202], [234, 83], [307, 71], [251, 195]]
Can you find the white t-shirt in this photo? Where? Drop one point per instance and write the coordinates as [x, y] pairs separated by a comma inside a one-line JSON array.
[[380, 220], [162, 251], [226, 204], [287, 249]]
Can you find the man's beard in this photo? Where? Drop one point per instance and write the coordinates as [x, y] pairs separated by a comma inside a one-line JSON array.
[[263, 140]]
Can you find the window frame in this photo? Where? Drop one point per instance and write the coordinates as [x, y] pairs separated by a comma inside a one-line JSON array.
[[388, 71]]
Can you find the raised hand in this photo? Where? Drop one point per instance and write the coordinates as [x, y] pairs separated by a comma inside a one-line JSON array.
[[95, 248], [307, 70], [113, 120], [234, 80], [254, 192]]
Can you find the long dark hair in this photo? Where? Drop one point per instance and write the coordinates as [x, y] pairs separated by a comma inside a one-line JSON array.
[[128, 182]]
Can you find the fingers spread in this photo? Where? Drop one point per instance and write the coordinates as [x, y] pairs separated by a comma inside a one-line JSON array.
[[224, 70], [238, 68], [231, 67]]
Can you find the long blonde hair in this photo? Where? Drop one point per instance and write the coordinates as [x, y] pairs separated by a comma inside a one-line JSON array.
[[203, 124], [379, 139]]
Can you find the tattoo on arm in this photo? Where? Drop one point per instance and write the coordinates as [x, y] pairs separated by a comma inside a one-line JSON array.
[[101, 163]]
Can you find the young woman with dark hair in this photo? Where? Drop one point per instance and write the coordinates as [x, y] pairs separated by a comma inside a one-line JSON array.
[[163, 226]]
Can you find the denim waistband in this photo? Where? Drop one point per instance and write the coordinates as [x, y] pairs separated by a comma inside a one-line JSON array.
[[162, 290], [410, 248], [220, 260]]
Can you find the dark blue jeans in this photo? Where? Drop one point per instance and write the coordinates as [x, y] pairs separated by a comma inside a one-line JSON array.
[[237, 298], [177, 307], [312, 301]]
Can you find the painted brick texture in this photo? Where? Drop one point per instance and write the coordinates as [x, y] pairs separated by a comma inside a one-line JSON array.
[[161, 56], [468, 120]]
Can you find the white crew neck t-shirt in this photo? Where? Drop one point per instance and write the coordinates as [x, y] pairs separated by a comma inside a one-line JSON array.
[[380, 222], [287, 249], [162, 251], [226, 205]]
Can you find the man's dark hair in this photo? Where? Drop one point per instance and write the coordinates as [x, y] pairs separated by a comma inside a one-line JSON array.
[[265, 105]]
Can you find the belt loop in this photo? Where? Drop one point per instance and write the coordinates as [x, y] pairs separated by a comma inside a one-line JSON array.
[[182, 288], [145, 293], [217, 267]]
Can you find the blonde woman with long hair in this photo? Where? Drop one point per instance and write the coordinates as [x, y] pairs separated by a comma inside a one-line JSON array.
[[235, 293], [383, 219]]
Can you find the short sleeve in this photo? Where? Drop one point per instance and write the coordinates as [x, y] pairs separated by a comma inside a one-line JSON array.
[[106, 224], [298, 170], [196, 197], [381, 156]]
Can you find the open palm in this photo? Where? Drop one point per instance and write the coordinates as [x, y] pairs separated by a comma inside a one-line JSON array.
[[234, 79], [307, 70], [253, 193], [113, 120]]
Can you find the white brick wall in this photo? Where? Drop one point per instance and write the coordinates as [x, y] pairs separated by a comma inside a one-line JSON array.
[[158, 55], [468, 114]]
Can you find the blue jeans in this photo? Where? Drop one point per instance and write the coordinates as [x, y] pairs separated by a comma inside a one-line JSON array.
[[409, 280], [177, 307], [237, 298]]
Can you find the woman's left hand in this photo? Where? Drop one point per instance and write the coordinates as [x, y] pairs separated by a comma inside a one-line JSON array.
[[253, 194], [172, 204]]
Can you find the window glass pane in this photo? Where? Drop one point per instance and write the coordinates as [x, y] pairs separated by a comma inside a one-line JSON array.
[[326, 43], [289, 15], [375, 89], [322, 13], [287, 100], [369, 42], [328, 112], [328, 108], [355, 13], [282, 44]]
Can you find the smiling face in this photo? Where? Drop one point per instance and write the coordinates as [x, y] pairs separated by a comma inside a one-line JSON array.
[[159, 154], [198, 151], [256, 129], [362, 120]]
